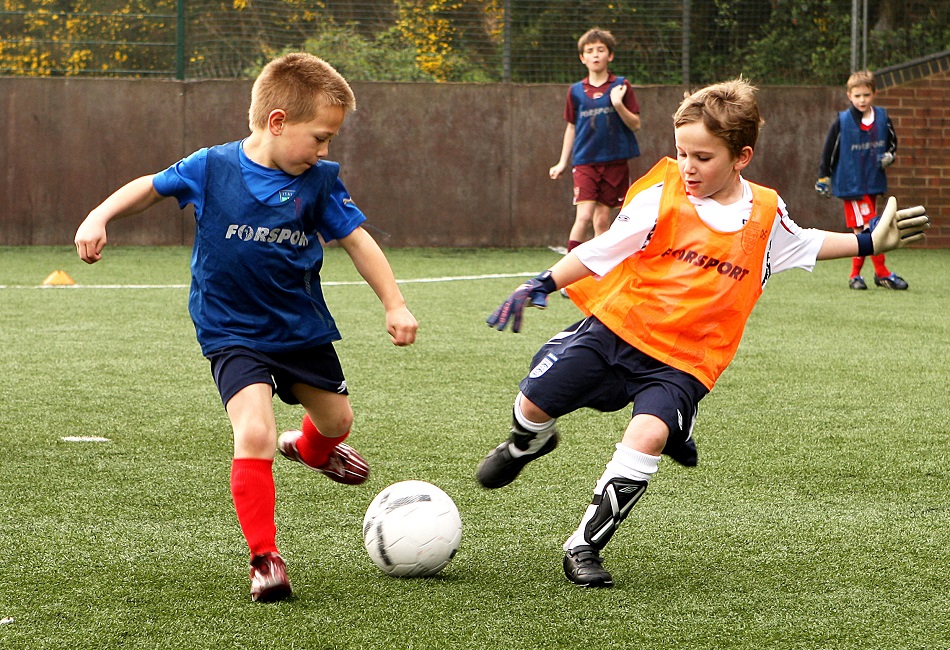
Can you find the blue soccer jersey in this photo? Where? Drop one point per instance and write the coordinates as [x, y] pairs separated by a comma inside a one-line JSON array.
[[257, 254]]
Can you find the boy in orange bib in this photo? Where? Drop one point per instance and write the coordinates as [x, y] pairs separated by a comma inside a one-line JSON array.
[[666, 292]]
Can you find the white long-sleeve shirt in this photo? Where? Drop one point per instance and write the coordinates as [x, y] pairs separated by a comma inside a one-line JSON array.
[[789, 246]]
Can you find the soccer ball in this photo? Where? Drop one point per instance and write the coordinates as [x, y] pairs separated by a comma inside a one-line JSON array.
[[412, 529]]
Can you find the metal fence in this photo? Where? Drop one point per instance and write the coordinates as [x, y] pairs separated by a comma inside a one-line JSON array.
[[523, 41]]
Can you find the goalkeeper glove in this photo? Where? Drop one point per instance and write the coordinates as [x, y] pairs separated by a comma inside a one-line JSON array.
[[895, 228], [823, 187], [887, 159], [535, 290]]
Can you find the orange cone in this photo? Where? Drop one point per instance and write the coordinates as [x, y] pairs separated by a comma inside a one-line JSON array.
[[58, 278]]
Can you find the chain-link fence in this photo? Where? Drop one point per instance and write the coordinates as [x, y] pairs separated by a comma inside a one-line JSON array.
[[522, 41]]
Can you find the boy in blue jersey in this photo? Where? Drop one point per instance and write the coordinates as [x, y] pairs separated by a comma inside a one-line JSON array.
[[860, 145], [602, 114], [261, 205]]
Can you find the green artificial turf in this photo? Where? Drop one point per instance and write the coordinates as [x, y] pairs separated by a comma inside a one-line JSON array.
[[818, 516]]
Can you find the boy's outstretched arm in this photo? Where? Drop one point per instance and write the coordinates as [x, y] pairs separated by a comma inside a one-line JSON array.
[[568, 270], [372, 265], [893, 229], [132, 198]]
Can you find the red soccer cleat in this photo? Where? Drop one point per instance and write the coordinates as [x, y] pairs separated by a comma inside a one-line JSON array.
[[345, 465], [269, 581]]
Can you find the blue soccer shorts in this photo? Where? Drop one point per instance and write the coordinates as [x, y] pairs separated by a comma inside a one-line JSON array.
[[236, 368], [587, 365]]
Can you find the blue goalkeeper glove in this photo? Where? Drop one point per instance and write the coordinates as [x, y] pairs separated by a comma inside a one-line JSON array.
[[823, 187], [535, 290]]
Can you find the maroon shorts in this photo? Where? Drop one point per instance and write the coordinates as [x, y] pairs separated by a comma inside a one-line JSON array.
[[604, 183]]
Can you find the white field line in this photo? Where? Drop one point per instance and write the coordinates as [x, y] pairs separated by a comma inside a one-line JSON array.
[[448, 278]]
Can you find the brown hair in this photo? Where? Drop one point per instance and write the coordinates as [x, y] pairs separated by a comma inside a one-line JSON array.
[[596, 35], [861, 78], [729, 110], [298, 83]]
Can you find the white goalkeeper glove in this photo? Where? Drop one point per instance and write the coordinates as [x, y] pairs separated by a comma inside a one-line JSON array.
[[898, 228]]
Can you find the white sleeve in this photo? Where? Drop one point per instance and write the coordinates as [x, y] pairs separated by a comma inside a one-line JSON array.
[[791, 246], [628, 234]]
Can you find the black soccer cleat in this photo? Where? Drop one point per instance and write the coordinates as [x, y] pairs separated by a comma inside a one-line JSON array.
[[892, 281], [583, 567], [499, 468], [684, 453], [857, 283]]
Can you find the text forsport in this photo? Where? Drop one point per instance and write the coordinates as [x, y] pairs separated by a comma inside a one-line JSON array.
[[268, 235], [707, 262]]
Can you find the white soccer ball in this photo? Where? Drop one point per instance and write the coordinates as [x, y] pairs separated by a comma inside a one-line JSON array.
[[412, 529]]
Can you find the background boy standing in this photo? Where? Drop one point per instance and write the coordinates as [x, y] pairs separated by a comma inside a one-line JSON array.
[[602, 114], [677, 275], [860, 145], [261, 206]]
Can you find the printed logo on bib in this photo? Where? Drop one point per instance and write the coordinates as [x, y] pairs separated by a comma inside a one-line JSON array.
[[752, 234], [267, 235]]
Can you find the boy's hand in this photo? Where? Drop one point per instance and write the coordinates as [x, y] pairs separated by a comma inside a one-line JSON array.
[[402, 326], [617, 93], [898, 228], [536, 290], [90, 240], [887, 159], [556, 171], [823, 187]]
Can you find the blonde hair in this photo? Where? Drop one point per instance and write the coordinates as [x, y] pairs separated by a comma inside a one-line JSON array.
[[861, 78], [596, 35], [299, 84], [729, 110]]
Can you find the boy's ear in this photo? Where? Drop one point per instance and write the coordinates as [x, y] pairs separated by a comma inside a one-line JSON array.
[[745, 157], [275, 121]]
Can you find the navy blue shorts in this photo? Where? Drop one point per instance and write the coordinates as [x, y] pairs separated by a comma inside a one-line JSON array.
[[236, 368], [587, 365]]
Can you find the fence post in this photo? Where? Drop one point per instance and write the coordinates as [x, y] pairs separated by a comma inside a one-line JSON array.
[[180, 40], [506, 44], [684, 57]]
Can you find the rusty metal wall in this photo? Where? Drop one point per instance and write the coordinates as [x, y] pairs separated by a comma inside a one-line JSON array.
[[430, 164]]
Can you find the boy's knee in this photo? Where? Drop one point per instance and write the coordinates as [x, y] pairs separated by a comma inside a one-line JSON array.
[[647, 434], [254, 440], [336, 424], [530, 411]]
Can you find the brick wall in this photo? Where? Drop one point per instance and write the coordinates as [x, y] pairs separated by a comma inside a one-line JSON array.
[[916, 97]]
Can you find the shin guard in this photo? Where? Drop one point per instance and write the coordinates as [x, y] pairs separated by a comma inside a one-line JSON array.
[[612, 506]]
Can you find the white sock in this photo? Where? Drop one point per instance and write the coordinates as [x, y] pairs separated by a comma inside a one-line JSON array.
[[542, 431], [626, 463]]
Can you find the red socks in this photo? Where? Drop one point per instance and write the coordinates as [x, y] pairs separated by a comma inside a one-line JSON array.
[[880, 269], [572, 244], [313, 446], [252, 489], [856, 264]]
